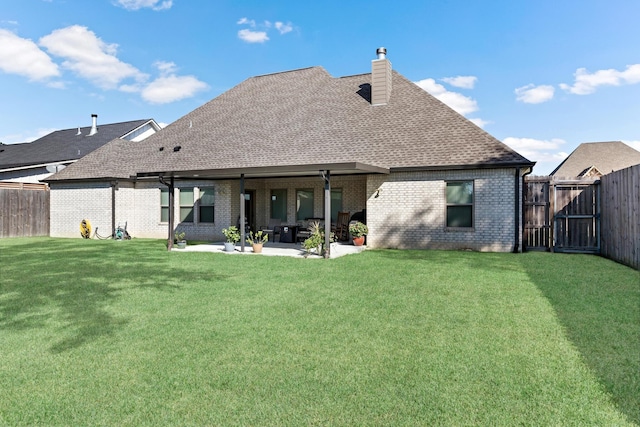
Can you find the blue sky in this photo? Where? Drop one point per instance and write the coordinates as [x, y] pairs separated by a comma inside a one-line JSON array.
[[542, 76]]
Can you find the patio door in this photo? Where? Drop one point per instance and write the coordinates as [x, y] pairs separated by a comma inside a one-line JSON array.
[[250, 208], [279, 204]]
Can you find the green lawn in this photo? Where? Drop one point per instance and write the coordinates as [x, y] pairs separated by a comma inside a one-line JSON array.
[[125, 333]]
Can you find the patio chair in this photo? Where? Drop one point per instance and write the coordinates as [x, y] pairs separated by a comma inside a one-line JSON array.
[[341, 229], [272, 229], [303, 232]]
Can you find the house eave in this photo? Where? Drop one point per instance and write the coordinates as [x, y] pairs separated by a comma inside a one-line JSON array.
[[463, 167], [38, 165], [349, 168]]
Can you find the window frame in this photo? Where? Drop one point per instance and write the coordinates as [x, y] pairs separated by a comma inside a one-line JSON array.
[[449, 204], [309, 190], [334, 208], [185, 206], [201, 192], [164, 207]]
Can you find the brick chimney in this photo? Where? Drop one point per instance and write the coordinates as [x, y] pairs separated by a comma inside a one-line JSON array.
[[380, 78]]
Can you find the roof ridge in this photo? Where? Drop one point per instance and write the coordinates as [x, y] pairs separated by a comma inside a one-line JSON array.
[[101, 125], [290, 71]]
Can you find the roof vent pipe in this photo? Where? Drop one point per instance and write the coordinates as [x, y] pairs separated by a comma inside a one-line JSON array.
[[79, 133], [94, 125]]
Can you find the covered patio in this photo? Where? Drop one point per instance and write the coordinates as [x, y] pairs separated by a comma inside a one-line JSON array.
[[323, 172]]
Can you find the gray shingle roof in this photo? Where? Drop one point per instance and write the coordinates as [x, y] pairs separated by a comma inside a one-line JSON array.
[[305, 117], [63, 145], [605, 156]]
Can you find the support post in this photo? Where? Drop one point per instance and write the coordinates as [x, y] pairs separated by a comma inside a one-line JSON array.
[[171, 214], [242, 215], [327, 213], [113, 208]]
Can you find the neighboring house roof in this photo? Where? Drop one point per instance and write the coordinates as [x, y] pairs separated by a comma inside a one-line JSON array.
[[306, 117], [66, 145], [597, 158]]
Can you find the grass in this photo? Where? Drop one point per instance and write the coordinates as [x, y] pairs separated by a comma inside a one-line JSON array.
[[124, 333]]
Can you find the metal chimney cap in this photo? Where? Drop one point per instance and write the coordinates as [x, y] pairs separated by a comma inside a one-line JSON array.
[[94, 125], [381, 52]]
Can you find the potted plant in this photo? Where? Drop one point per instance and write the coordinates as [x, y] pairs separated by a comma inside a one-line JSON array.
[[233, 236], [358, 230], [316, 239], [257, 239], [180, 240]]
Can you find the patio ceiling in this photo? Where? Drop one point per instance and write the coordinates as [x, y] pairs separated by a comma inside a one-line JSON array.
[[350, 168]]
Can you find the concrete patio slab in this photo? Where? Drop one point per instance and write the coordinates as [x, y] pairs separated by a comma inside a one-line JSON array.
[[295, 250]]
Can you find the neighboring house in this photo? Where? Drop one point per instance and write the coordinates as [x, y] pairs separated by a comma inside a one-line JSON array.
[[37, 160], [297, 144], [594, 159]]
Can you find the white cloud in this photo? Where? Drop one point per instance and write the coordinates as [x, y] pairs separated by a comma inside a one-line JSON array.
[[462, 104], [259, 32], [23, 57], [169, 87], [538, 149], [479, 122], [139, 4], [250, 36], [165, 67], [531, 94], [464, 82], [166, 89], [243, 21], [17, 138], [633, 144], [586, 83], [90, 57], [57, 85], [283, 28]]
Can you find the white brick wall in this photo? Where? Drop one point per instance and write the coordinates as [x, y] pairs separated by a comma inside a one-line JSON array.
[[408, 212], [71, 203]]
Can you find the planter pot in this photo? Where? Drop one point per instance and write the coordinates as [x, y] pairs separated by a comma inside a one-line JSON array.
[[358, 241], [257, 248], [229, 247], [182, 244]]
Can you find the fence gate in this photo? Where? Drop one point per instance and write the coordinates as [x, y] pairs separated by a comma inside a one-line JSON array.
[[537, 223], [577, 217], [562, 215]]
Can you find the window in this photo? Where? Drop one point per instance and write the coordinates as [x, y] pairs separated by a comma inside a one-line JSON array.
[[336, 203], [279, 204], [164, 205], [460, 204], [304, 204], [186, 205], [207, 203]]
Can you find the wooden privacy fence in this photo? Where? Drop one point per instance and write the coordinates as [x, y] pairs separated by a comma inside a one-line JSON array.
[[24, 210], [621, 216], [562, 215], [585, 215]]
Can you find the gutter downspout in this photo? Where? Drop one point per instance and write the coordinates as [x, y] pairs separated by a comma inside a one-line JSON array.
[[528, 172], [114, 186], [243, 230], [517, 200], [327, 213], [171, 203]]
